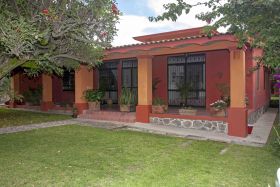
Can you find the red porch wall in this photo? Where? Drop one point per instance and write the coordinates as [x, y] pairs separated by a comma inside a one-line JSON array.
[[60, 96], [160, 72], [217, 71], [29, 82], [261, 91]]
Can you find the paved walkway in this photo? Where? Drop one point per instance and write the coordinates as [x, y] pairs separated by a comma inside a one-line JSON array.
[[259, 136], [22, 128]]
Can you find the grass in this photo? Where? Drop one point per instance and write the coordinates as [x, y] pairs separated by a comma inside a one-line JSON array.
[[11, 117], [84, 156]]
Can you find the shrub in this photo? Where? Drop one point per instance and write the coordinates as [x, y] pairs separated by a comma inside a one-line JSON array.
[[127, 97], [33, 95], [92, 95], [219, 105], [158, 101]]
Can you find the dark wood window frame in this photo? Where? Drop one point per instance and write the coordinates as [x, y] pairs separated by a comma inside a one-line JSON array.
[[68, 80], [186, 64]]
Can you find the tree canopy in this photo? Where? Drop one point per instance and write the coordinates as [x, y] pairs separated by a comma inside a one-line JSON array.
[[253, 21], [49, 35]]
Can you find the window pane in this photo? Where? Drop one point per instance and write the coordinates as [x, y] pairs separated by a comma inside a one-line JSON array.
[[134, 77], [176, 76], [126, 74], [176, 60], [68, 80]]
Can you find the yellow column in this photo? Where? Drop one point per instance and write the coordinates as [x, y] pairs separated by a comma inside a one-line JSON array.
[[47, 99], [144, 88], [83, 81], [237, 79], [15, 87], [237, 114]]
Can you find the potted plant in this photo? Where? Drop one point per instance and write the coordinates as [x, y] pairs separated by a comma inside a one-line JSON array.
[[93, 98], [74, 112], [159, 106], [126, 100], [109, 102], [184, 94], [218, 108]]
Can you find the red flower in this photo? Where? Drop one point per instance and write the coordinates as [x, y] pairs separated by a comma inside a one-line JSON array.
[[115, 9], [45, 11]]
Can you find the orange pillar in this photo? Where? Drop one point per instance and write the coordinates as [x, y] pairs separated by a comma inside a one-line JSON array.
[[83, 81], [144, 89], [47, 102], [15, 87], [237, 114]]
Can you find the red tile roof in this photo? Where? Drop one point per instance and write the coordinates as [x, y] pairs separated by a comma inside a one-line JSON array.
[[168, 40]]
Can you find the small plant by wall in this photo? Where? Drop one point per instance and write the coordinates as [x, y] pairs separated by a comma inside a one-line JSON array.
[[33, 96]]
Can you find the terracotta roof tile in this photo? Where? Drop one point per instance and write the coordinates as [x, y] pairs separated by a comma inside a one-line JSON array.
[[167, 40]]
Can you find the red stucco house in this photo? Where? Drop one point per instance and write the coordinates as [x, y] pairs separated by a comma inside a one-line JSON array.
[[187, 55]]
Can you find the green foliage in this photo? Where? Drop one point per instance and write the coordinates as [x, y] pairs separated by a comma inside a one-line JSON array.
[[184, 89], [253, 21], [276, 140], [93, 95], [127, 97], [158, 101], [7, 93], [33, 95], [155, 83], [47, 35]]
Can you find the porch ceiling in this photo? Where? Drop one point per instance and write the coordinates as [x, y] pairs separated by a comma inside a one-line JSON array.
[[173, 46]]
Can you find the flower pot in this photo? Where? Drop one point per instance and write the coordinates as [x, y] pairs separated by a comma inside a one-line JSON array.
[[125, 108], [220, 113], [250, 128], [159, 109], [110, 102], [94, 106], [186, 111]]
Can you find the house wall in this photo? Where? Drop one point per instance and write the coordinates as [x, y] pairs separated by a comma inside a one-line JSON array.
[[28, 82], [260, 90], [60, 96], [217, 71]]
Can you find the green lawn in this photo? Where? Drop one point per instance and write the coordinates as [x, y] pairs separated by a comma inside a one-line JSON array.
[[85, 156], [9, 117]]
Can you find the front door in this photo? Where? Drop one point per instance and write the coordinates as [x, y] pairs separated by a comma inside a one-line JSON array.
[[108, 76], [130, 75], [189, 69]]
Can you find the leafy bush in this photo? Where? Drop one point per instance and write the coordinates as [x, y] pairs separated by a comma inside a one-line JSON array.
[[33, 95], [6, 93], [158, 101], [127, 97], [276, 141], [219, 105], [93, 95]]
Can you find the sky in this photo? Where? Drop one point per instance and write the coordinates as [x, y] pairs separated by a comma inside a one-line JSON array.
[[134, 19]]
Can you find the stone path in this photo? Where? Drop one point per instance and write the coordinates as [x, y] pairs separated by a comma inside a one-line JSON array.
[[22, 128], [259, 136]]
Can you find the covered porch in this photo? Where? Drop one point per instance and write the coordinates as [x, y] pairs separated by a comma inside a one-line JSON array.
[[205, 61]]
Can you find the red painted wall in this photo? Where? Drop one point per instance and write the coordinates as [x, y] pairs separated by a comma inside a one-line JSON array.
[[160, 72], [60, 96], [217, 72], [29, 82], [262, 91]]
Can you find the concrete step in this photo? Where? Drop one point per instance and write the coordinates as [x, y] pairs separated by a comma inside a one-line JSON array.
[[127, 117]]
